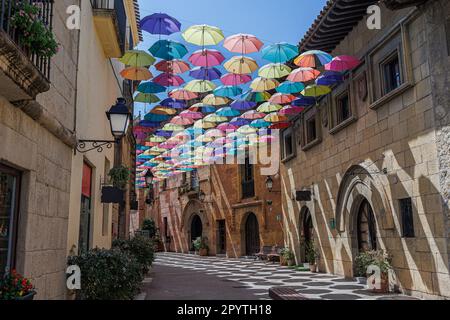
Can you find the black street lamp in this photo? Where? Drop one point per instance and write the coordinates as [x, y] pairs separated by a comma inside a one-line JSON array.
[[269, 184], [148, 178]]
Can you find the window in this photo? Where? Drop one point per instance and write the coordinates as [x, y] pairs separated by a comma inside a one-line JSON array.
[[85, 209], [248, 184], [407, 218], [343, 111], [311, 129], [288, 144], [194, 179], [106, 206], [391, 74], [310, 126], [9, 212]]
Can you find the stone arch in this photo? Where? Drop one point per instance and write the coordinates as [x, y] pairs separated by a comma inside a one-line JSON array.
[[192, 209], [305, 216], [244, 232]]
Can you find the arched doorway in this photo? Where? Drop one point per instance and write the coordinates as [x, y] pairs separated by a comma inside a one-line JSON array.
[[308, 229], [366, 228], [251, 235], [196, 229]]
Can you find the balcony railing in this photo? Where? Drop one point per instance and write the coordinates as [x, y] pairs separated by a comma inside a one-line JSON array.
[[7, 10]]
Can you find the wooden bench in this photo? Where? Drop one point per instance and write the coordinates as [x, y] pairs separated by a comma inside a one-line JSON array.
[[285, 293]]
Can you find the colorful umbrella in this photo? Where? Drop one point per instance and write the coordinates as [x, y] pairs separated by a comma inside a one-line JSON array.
[[200, 86], [280, 125], [163, 133], [168, 49], [150, 87], [313, 59], [206, 58], [172, 127], [256, 96], [288, 87], [160, 23], [213, 100], [280, 52], [214, 133], [246, 130], [280, 98], [264, 84], [268, 107], [203, 108], [253, 115], [182, 94], [136, 73], [227, 112], [232, 79], [329, 78], [203, 73], [203, 35], [173, 103], [290, 110], [215, 118], [146, 98], [201, 124], [342, 63], [203, 139], [137, 58], [242, 43], [303, 75], [191, 114], [227, 91], [172, 66], [260, 123], [168, 80], [274, 71], [316, 91], [163, 111], [241, 65], [303, 102], [227, 126], [239, 122], [243, 105], [275, 117]]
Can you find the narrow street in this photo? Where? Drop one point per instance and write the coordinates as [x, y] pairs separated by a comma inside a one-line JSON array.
[[181, 276]]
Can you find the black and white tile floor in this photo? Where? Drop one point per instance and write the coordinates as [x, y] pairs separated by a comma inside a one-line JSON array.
[[259, 276]]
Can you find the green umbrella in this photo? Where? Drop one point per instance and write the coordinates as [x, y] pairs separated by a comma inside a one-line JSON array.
[[146, 98], [137, 58], [200, 86]]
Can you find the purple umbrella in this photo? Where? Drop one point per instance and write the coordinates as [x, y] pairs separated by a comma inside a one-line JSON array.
[[303, 101], [149, 124], [239, 122], [160, 23], [173, 103], [168, 80], [205, 73], [163, 133], [243, 105]]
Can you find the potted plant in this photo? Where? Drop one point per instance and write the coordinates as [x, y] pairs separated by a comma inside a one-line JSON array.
[[197, 244], [203, 251], [120, 176], [362, 261], [383, 261], [14, 286], [311, 256], [287, 257]]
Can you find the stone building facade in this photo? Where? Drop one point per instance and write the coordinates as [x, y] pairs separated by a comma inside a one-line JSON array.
[[374, 154]]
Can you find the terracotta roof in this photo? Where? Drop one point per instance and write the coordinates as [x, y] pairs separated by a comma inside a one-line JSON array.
[[334, 23], [138, 18]]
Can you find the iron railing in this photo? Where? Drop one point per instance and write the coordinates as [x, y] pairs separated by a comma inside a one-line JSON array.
[[7, 11]]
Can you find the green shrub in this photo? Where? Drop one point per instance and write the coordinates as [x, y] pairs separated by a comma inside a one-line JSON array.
[[119, 176], [311, 252], [108, 275], [287, 254], [140, 247], [378, 258], [150, 226]]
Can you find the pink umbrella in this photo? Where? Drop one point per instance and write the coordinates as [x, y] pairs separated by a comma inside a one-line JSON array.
[[252, 115], [242, 43], [290, 110], [231, 79], [182, 121], [172, 66], [303, 75], [280, 98], [168, 80], [191, 115], [181, 94], [342, 63], [214, 133], [220, 142], [206, 58], [167, 145], [226, 126]]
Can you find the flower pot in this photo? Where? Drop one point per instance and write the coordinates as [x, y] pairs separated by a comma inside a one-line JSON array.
[[291, 263], [312, 267], [384, 284], [29, 296], [283, 261], [203, 252], [306, 265]]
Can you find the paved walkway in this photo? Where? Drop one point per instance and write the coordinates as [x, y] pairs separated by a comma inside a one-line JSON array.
[[182, 276]]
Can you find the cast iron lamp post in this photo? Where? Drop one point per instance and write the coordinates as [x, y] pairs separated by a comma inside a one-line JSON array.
[[269, 184]]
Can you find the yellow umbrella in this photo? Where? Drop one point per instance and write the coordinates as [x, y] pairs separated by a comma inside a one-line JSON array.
[[274, 71], [136, 73], [163, 110], [172, 127], [241, 65], [203, 35], [156, 139], [264, 84], [275, 117], [215, 118], [200, 86], [213, 100], [267, 107], [316, 91], [137, 58], [200, 124], [204, 139], [246, 130]]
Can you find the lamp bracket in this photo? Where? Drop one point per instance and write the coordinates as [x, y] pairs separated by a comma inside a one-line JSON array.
[[84, 146]]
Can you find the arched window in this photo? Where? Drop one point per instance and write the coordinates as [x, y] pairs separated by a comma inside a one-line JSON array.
[[251, 235], [196, 229]]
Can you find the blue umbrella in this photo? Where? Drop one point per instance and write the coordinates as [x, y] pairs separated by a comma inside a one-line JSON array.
[[150, 87], [227, 112], [289, 87], [149, 123], [173, 103], [303, 101], [152, 117], [160, 23], [227, 91], [253, 96], [329, 78], [280, 52], [239, 122], [163, 133], [194, 131], [203, 73], [260, 123], [243, 105], [168, 49]]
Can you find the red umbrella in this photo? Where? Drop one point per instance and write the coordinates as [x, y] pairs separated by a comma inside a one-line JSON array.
[[181, 94], [242, 43], [172, 66], [280, 98], [342, 63], [168, 80], [303, 75], [280, 125], [290, 110], [231, 79], [206, 58]]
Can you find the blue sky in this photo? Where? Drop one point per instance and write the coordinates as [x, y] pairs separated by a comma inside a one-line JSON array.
[[271, 21]]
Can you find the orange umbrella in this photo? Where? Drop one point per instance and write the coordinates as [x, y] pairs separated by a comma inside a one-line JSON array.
[[303, 75], [136, 73], [182, 94]]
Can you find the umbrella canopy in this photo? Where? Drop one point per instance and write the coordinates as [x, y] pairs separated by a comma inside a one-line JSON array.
[[206, 58], [242, 43], [227, 126], [280, 125], [163, 133], [280, 52], [241, 65], [342, 63], [329, 78], [303, 102], [260, 123], [316, 91], [173, 103], [182, 94], [173, 127], [203, 35], [281, 98], [288, 87], [203, 73], [253, 115], [232, 79], [154, 118], [246, 130], [163, 110], [214, 133], [203, 108], [172, 66], [275, 117], [238, 122], [156, 139], [303, 75], [201, 124], [256, 96], [214, 100], [150, 87], [290, 110], [313, 59], [267, 107], [136, 73], [168, 80], [264, 84], [200, 86], [227, 112], [227, 91], [168, 49], [215, 118], [243, 105], [274, 71], [146, 98], [191, 114], [160, 23], [137, 58]]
